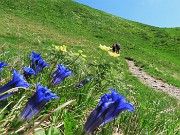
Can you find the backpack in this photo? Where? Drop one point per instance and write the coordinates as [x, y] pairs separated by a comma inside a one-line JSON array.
[[118, 46]]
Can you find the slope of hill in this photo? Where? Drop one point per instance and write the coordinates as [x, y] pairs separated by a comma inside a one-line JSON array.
[[160, 47], [34, 25]]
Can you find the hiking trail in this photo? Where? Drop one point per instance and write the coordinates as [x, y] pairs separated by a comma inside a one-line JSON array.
[[153, 82]]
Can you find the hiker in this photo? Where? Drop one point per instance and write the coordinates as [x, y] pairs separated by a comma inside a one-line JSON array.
[[117, 48], [113, 48]]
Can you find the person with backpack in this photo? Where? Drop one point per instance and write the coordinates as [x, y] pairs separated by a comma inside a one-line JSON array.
[[113, 48], [117, 48]]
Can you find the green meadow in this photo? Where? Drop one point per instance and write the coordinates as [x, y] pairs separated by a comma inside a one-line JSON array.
[[37, 25]]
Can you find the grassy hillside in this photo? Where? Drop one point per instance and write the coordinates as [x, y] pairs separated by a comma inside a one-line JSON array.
[[35, 25], [83, 25]]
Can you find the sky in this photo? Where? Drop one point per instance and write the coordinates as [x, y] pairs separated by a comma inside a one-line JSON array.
[[159, 13]]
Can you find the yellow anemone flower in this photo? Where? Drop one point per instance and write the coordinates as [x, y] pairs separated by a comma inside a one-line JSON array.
[[113, 54], [63, 48], [57, 48], [103, 47], [76, 54], [83, 59], [83, 55], [80, 51], [60, 48]]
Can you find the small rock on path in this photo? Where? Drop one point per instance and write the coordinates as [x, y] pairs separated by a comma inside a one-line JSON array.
[[153, 82]]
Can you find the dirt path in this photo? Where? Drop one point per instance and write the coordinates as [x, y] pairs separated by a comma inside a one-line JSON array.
[[153, 82]]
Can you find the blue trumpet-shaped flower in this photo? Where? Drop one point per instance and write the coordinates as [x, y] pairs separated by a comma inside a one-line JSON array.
[[40, 65], [108, 109], [34, 60], [37, 63], [60, 74], [35, 56], [36, 103], [28, 72], [85, 81], [17, 81], [2, 64]]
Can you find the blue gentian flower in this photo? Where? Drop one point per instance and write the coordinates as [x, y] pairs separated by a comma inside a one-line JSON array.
[[85, 81], [17, 81], [35, 56], [2, 64], [36, 103], [37, 63], [34, 59], [108, 109], [28, 72], [40, 65], [60, 74]]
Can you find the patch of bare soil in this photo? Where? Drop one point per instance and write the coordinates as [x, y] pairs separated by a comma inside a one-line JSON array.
[[153, 82]]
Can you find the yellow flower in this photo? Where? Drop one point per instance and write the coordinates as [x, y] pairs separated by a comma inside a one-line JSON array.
[[63, 48], [80, 51], [57, 48], [83, 55], [76, 54], [83, 59], [60, 48], [103, 47], [113, 54]]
